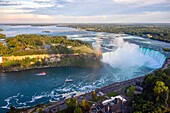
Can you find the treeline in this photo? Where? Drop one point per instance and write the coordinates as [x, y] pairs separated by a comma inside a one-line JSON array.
[[154, 31], [36, 44], [156, 95], [2, 36]]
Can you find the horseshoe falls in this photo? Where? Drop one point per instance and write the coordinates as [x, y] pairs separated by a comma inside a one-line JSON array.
[[128, 56], [121, 59]]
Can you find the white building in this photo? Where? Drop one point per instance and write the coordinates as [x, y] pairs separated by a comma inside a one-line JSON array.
[[0, 59], [113, 98], [69, 47]]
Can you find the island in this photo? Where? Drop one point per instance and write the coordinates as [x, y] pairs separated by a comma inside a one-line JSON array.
[[33, 51]]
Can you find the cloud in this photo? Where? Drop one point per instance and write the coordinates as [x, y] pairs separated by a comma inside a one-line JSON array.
[[147, 17], [9, 11], [87, 11], [25, 18], [142, 2], [69, 0], [125, 1], [34, 5], [60, 6], [42, 1], [8, 3]]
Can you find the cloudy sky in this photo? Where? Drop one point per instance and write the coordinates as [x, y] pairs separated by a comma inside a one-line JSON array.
[[86, 11]]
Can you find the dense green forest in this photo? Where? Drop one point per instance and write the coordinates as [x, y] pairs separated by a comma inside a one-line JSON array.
[[37, 44], [156, 96], [153, 31]]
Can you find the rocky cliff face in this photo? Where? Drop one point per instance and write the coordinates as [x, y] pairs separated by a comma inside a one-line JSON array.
[[83, 60], [55, 60]]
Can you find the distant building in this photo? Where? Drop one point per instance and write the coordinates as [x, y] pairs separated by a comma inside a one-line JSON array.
[[69, 47], [0, 59], [149, 36], [112, 100], [27, 48]]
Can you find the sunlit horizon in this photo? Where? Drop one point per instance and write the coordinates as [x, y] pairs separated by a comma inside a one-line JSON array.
[[86, 11]]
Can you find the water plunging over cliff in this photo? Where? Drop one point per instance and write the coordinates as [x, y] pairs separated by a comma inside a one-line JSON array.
[[159, 57], [131, 55]]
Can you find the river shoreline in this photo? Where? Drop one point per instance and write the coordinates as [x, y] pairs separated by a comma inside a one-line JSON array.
[[116, 87]]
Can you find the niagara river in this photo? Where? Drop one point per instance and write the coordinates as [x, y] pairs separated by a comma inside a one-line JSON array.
[[123, 57]]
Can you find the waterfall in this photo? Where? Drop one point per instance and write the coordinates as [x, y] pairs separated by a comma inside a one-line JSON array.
[[129, 56], [159, 57]]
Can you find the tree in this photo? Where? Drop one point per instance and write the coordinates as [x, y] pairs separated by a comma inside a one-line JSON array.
[[94, 95], [78, 110], [2, 36], [160, 89], [85, 105], [40, 110], [1, 44], [72, 102], [130, 91]]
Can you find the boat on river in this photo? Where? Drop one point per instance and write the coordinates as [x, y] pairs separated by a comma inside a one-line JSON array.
[[69, 80], [41, 73]]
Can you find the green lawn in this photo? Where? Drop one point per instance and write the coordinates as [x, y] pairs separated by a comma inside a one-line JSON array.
[[112, 94]]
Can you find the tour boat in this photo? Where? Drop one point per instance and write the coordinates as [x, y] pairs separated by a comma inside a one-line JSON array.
[[69, 80], [42, 73]]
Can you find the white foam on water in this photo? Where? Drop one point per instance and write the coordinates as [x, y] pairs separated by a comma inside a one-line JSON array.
[[87, 88], [75, 93], [130, 56], [86, 75], [132, 37], [7, 106]]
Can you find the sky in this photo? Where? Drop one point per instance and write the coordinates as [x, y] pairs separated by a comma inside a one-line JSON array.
[[84, 11]]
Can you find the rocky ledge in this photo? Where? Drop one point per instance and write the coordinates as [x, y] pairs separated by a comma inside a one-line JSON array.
[[19, 63]]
